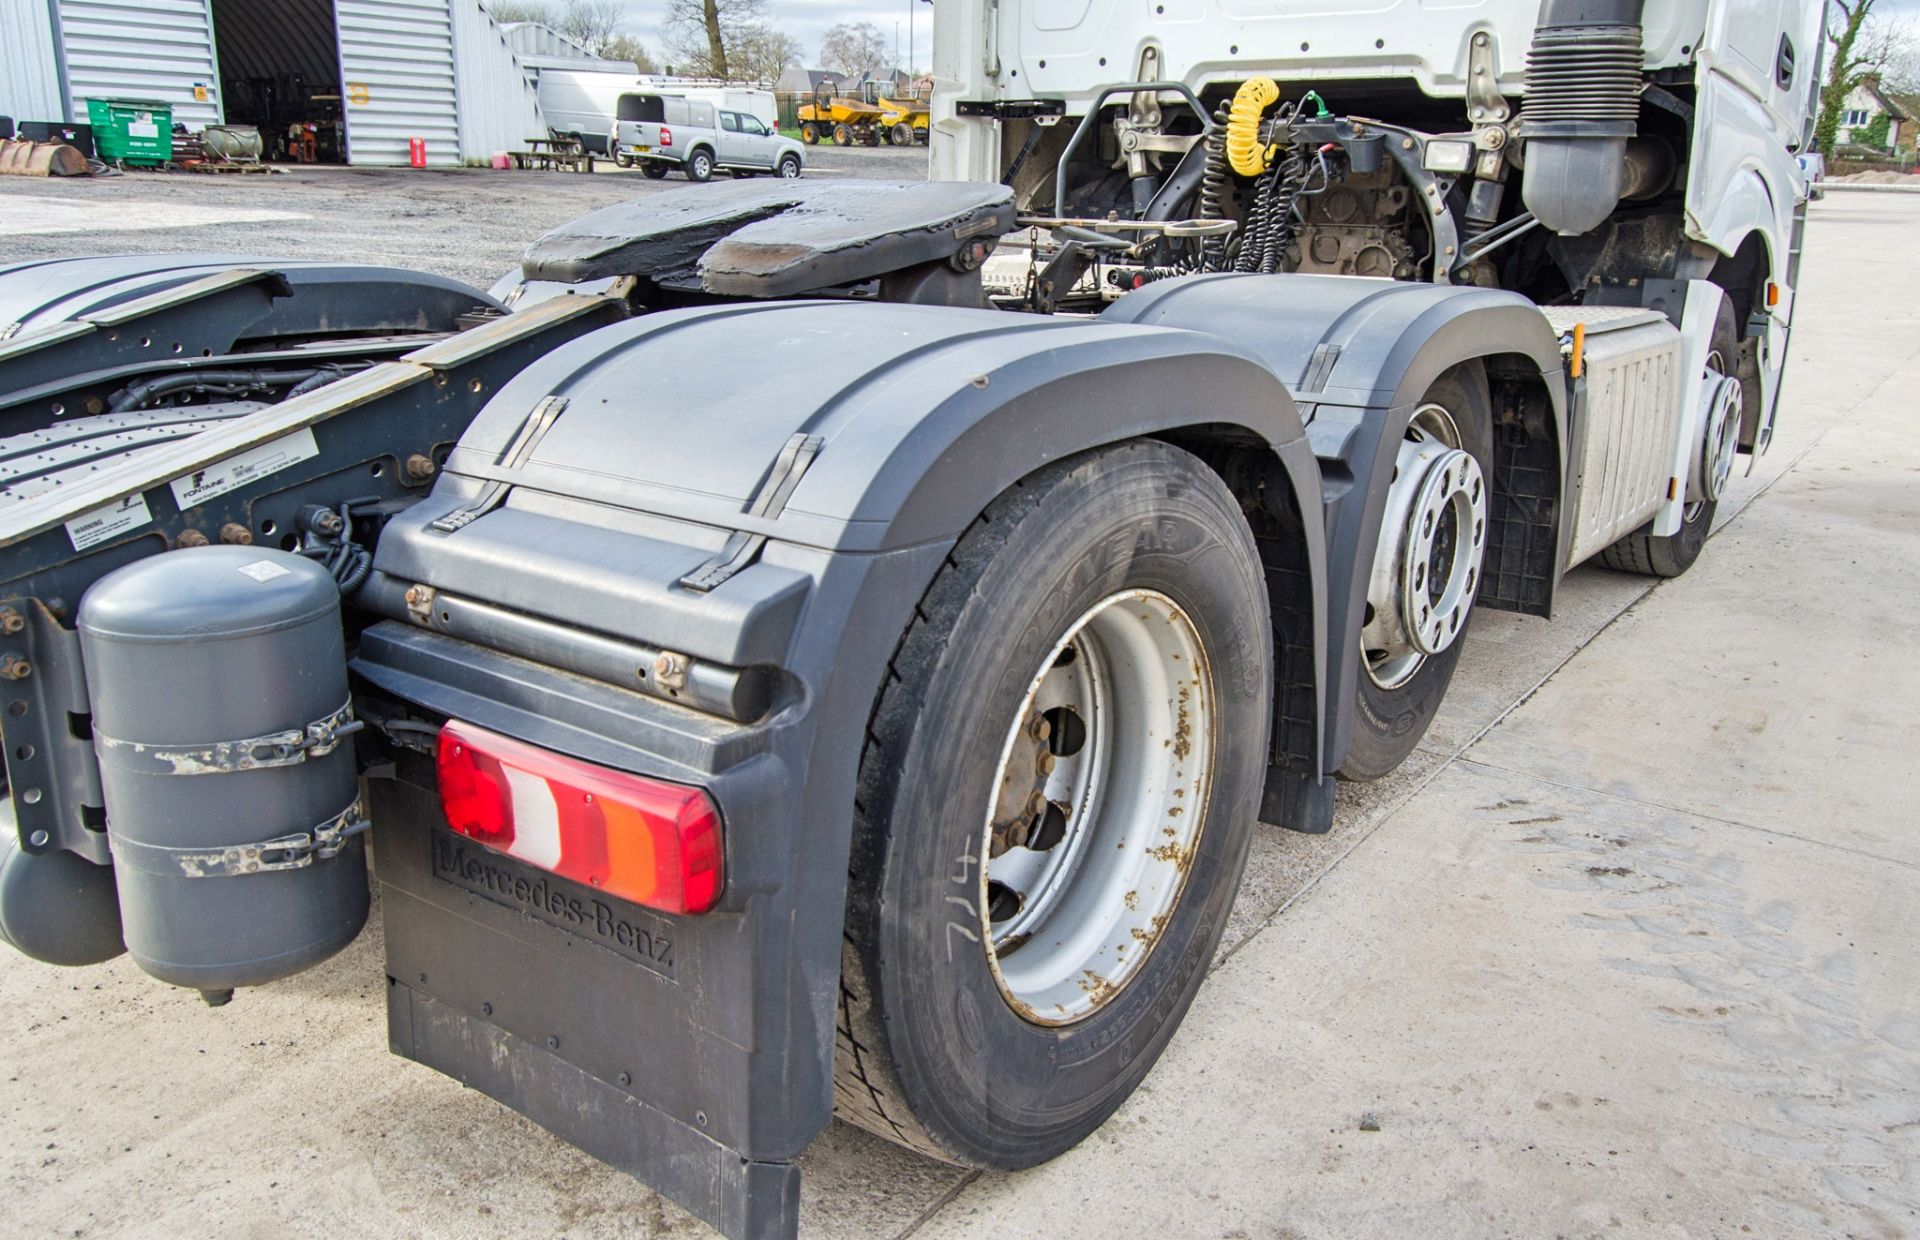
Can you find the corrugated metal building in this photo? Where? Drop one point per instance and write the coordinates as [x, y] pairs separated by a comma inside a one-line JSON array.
[[366, 77]]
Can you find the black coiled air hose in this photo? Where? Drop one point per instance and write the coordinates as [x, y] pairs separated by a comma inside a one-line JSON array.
[[1213, 192]]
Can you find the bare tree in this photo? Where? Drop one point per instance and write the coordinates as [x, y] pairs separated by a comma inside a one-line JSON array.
[[1893, 49], [508, 11], [626, 47], [1859, 47], [763, 53], [855, 49], [703, 36], [591, 23]]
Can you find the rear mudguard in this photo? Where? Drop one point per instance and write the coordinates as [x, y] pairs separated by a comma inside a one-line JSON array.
[[763, 484], [1358, 355], [332, 297]]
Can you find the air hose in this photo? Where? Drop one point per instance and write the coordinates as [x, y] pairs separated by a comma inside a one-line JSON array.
[[1213, 192], [1245, 152]]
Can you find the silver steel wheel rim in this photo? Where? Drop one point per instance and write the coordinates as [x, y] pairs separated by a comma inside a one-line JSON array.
[[1721, 443], [1098, 803], [1722, 440], [789, 169], [1433, 537]]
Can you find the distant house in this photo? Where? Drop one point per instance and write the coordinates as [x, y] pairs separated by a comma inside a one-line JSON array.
[[887, 81], [1861, 123], [1906, 132], [798, 81]]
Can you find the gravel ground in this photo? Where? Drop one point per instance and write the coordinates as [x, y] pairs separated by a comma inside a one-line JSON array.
[[471, 225]]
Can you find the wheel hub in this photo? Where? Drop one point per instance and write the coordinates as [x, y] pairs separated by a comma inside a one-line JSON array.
[[1722, 396], [1433, 537], [1099, 800]]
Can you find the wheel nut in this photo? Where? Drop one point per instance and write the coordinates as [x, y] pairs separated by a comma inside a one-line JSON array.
[[237, 534], [190, 538], [420, 467], [11, 621], [15, 668]]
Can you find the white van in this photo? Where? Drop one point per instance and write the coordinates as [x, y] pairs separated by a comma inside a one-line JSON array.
[[581, 103], [584, 103], [748, 100]]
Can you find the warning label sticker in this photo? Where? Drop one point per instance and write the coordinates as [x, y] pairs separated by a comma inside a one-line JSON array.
[[92, 528], [237, 471]]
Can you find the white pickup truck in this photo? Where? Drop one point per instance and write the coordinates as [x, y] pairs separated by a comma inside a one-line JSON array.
[[661, 131]]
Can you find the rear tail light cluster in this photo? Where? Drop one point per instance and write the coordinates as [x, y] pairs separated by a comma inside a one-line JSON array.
[[666, 136], [639, 839]]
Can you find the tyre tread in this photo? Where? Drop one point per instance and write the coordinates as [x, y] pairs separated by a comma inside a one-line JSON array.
[[866, 1092]]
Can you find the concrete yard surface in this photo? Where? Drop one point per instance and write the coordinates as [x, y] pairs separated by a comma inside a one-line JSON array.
[[1627, 948]]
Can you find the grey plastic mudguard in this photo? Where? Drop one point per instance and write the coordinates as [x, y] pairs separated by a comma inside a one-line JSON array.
[[72, 331], [331, 298], [1358, 354], [702, 1062]]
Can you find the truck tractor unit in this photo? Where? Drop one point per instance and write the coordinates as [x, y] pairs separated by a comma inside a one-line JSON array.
[[800, 649]]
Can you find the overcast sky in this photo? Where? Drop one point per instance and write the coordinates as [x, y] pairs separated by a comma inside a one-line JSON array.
[[808, 20]]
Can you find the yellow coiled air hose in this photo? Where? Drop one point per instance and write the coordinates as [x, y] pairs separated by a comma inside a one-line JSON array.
[[1244, 152]]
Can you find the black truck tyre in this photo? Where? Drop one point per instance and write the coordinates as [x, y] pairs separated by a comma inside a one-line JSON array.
[[1398, 693], [700, 165], [1669, 555], [653, 169], [1125, 576]]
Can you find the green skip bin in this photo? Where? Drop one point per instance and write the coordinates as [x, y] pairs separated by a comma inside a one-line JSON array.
[[132, 131]]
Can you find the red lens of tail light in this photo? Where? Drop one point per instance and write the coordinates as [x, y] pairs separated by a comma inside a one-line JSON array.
[[666, 136], [639, 839]]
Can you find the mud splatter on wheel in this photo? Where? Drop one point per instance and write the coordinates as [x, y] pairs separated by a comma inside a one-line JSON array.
[[1055, 802]]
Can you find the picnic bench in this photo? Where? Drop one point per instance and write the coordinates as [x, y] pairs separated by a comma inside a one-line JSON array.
[[553, 153]]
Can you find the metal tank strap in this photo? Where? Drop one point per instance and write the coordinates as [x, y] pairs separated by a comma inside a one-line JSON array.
[[286, 852], [254, 753]]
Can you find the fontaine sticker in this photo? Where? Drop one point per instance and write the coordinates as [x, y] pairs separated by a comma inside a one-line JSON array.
[[237, 471]]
